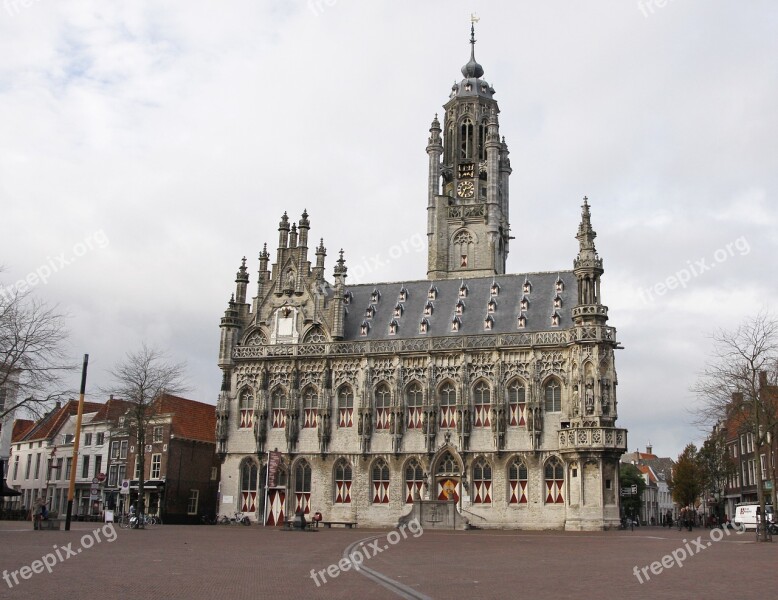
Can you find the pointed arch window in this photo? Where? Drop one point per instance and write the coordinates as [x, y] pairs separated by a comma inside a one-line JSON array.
[[310, 407], [414, 398], [466, 139], [342, 482], [315, 336], [482, 139], [383, 402], [482, 482], [555, 481], [302, 487], [278, 406], [414, 480], [448, 400], [380, 477], [246, 407], [482, 403], [248, 487], [448, 478], [553, 396], [517, 486], [345, 407], [517, 404]]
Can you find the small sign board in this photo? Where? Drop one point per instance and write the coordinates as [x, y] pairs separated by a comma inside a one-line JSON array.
[[124, 489], [100, 477]]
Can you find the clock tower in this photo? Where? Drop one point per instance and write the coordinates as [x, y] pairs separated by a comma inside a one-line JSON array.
[[467, 209]]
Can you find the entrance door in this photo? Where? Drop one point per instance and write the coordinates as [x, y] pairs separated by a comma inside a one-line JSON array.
[[448, 476], [275, 514]]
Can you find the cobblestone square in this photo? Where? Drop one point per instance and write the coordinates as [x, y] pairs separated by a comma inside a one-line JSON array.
[[204, 562]]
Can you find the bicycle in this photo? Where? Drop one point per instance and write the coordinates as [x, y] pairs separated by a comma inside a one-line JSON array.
[[238, 519], [766, 528]]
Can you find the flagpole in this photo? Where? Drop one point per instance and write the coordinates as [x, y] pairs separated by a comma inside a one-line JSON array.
[[76, 439]]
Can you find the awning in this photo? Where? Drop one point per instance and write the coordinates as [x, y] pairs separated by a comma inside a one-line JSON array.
[[5, 491], [149, 484]]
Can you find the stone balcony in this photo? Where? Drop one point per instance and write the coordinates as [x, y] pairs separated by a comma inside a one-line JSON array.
[[592, 438]]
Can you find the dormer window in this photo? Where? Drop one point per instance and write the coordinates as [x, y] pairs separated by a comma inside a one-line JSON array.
[[463, 291], [347, 298], [527, 287], [428, 308], [398, 310], [455, 324], [488, 322], [403, 296], [370, 312], [393, 327], [492, 306], [524, 304], [375, 296], [557, 301], [424, 326], [364, 328], [555, 320], [459, 308], [559, 285], [432, 293], [522, 322], [495, 289], [468, 86]]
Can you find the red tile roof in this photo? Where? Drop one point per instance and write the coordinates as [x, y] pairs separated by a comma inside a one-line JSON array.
[[49, 425], [191, 420], [112, 410], [20, 428]]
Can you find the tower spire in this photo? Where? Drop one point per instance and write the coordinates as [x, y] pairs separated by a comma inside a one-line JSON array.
[[472, 70]]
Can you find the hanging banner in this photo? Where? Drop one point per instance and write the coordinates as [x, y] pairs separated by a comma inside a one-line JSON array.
[[273, 461]]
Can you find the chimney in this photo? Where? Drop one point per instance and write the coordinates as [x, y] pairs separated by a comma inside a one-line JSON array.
[[649, 449]]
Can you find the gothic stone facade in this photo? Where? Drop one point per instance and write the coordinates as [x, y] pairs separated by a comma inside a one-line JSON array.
[[495, 390]]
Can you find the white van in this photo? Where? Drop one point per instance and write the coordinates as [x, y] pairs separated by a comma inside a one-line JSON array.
[[746, 515]]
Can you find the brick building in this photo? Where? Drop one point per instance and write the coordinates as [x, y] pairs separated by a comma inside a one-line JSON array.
[[181, 469]]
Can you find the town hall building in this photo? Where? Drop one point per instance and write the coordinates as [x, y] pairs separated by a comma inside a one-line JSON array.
[[494, 391]]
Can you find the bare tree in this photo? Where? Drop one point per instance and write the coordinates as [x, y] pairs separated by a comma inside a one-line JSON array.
[[735, 380], [33, 359], [141, 379]]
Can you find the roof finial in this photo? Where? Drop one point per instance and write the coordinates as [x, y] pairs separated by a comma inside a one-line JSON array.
[[472, 70]]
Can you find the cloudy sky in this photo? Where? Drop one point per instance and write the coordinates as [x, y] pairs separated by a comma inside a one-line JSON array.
[[147, 146]]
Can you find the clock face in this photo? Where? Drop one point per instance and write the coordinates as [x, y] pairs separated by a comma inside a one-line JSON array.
[[465, 189]]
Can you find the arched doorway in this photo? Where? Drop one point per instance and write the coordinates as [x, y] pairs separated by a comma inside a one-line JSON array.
[[448, 476], [276, 499]]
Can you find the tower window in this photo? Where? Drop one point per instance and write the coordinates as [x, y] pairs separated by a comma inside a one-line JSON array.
[[466, 135], [463, 261]]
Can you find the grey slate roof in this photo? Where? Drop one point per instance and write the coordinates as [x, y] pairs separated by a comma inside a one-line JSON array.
[[538, 315]]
